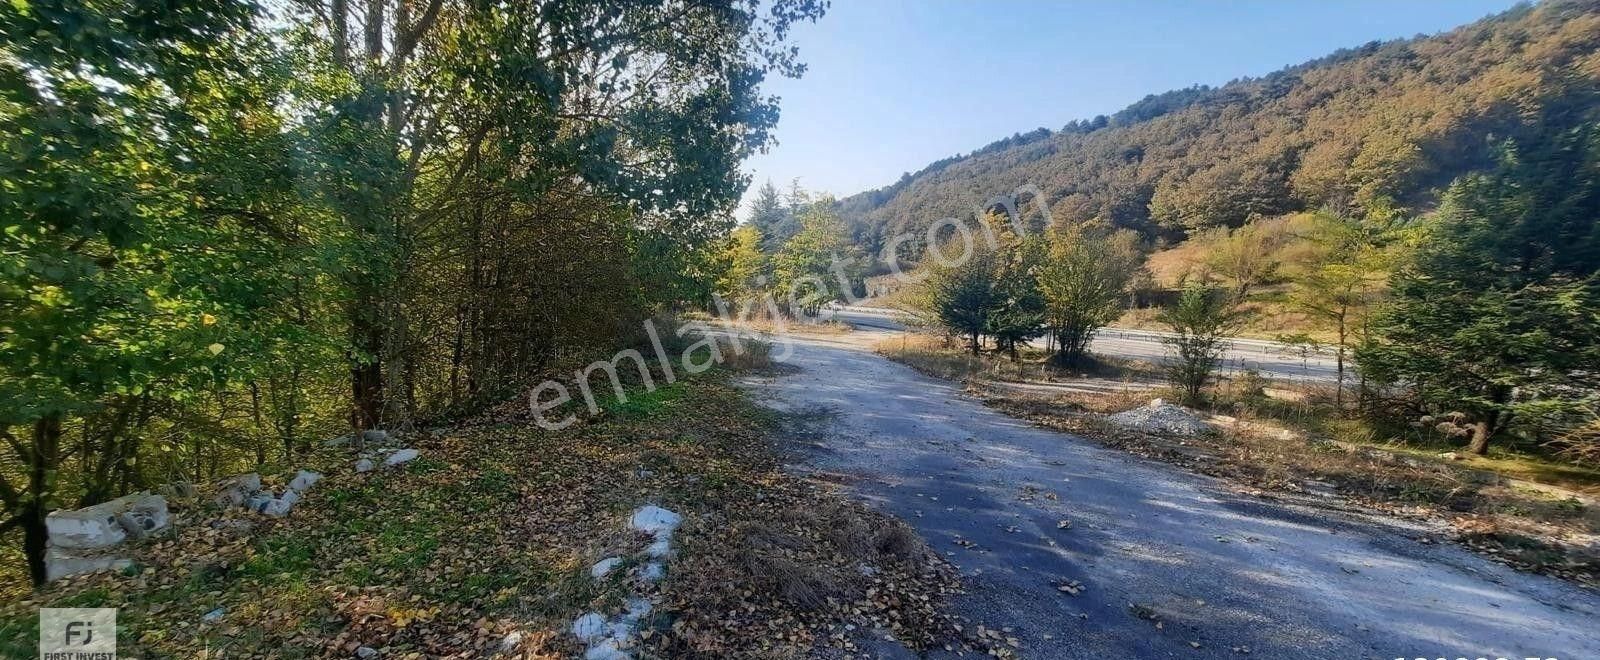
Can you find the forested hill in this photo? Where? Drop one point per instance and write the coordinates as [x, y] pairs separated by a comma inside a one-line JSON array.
[[1369, 128]]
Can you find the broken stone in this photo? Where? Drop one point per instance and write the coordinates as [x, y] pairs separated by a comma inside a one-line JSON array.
[[400, 457], [589, 627], [303, 480], [652, 572], [638, 608], [655, 520], [607, 649], [66, 562], [659, 549], [1161, 417], [214, 615], [510, 643], [374, 436], [108, 523], [364, 465], [238, 490], [366, 652], [604, 566]]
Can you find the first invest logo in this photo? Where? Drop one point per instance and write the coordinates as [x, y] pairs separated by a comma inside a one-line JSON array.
[[78, 633]]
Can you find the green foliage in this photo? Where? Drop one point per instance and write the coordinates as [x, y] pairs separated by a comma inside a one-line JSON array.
[[962, 295], [818, 264], [1084, 282], [209, 213], [1494, 315], [1201, 319]]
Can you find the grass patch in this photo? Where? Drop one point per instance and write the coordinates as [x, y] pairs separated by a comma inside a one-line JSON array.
[[493, 530]]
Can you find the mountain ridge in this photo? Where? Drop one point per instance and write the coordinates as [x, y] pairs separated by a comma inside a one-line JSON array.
[[1376, 128]]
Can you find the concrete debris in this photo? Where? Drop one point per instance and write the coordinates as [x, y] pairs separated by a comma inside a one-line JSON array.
[[604, 566], [655, 521], [103, 525], [364, 465], [400, 457], [590, 627], [66, 562], [236, 491]]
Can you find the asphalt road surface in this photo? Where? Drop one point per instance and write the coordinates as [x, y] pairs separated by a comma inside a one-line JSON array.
[[1273, 359], [1220, 571]]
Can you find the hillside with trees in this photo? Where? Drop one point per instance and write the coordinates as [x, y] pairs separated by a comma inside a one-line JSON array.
[[1375, 129]]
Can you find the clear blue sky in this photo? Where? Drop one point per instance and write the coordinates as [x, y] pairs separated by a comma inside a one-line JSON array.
[[894, 85]]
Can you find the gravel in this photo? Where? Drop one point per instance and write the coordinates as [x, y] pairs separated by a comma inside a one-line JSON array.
[[1161, 417]]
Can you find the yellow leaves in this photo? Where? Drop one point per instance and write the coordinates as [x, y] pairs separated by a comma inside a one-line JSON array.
[[216, 349], [207, 319], [402, 617]]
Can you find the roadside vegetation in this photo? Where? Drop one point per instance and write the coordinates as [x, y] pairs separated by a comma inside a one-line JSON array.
[[494, 532]]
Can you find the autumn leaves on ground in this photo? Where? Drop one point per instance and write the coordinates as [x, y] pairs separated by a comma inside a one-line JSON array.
[[494, 530]]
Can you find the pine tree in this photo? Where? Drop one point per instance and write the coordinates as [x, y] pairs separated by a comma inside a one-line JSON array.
[[1497, 315]]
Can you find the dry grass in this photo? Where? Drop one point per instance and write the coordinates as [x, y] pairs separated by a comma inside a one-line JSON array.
[[946, 358]]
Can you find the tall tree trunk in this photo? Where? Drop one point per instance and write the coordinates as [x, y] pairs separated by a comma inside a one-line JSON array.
[[41, 470], [366, 372]]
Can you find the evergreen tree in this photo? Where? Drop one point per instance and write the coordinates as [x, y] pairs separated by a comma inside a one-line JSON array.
[[1497, 314]]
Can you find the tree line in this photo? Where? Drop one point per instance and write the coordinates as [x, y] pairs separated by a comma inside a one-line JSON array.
[[233, 229], [1483, 315], [1385, 125]]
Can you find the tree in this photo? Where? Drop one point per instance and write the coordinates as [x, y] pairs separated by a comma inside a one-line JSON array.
[[1340, 281], [155, 249], [818, 264], [770, 216], [962, 296], [1495, 314], [630, 119], [1201, 319], [1018, 314], [1088, 270], [1246, 256], [744, 264]]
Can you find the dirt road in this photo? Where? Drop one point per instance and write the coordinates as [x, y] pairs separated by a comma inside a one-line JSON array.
[[1171, 564]]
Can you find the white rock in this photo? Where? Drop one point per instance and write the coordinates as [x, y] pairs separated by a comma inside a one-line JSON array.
[[399, 457], [364, 465], [214, 615], [303, 480], [652, 572], [655, 520], [511, 642], [604, 566], [589, 627], [638, 608], [374, 436], [607, 649], [659, 549], [366, 652]]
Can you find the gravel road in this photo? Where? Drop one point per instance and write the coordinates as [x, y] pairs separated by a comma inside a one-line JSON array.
[[1220, 571]]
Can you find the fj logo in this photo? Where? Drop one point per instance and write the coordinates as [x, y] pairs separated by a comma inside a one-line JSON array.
[[78, 633]]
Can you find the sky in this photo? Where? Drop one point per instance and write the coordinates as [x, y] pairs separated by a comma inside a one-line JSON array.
[[893, 85]]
